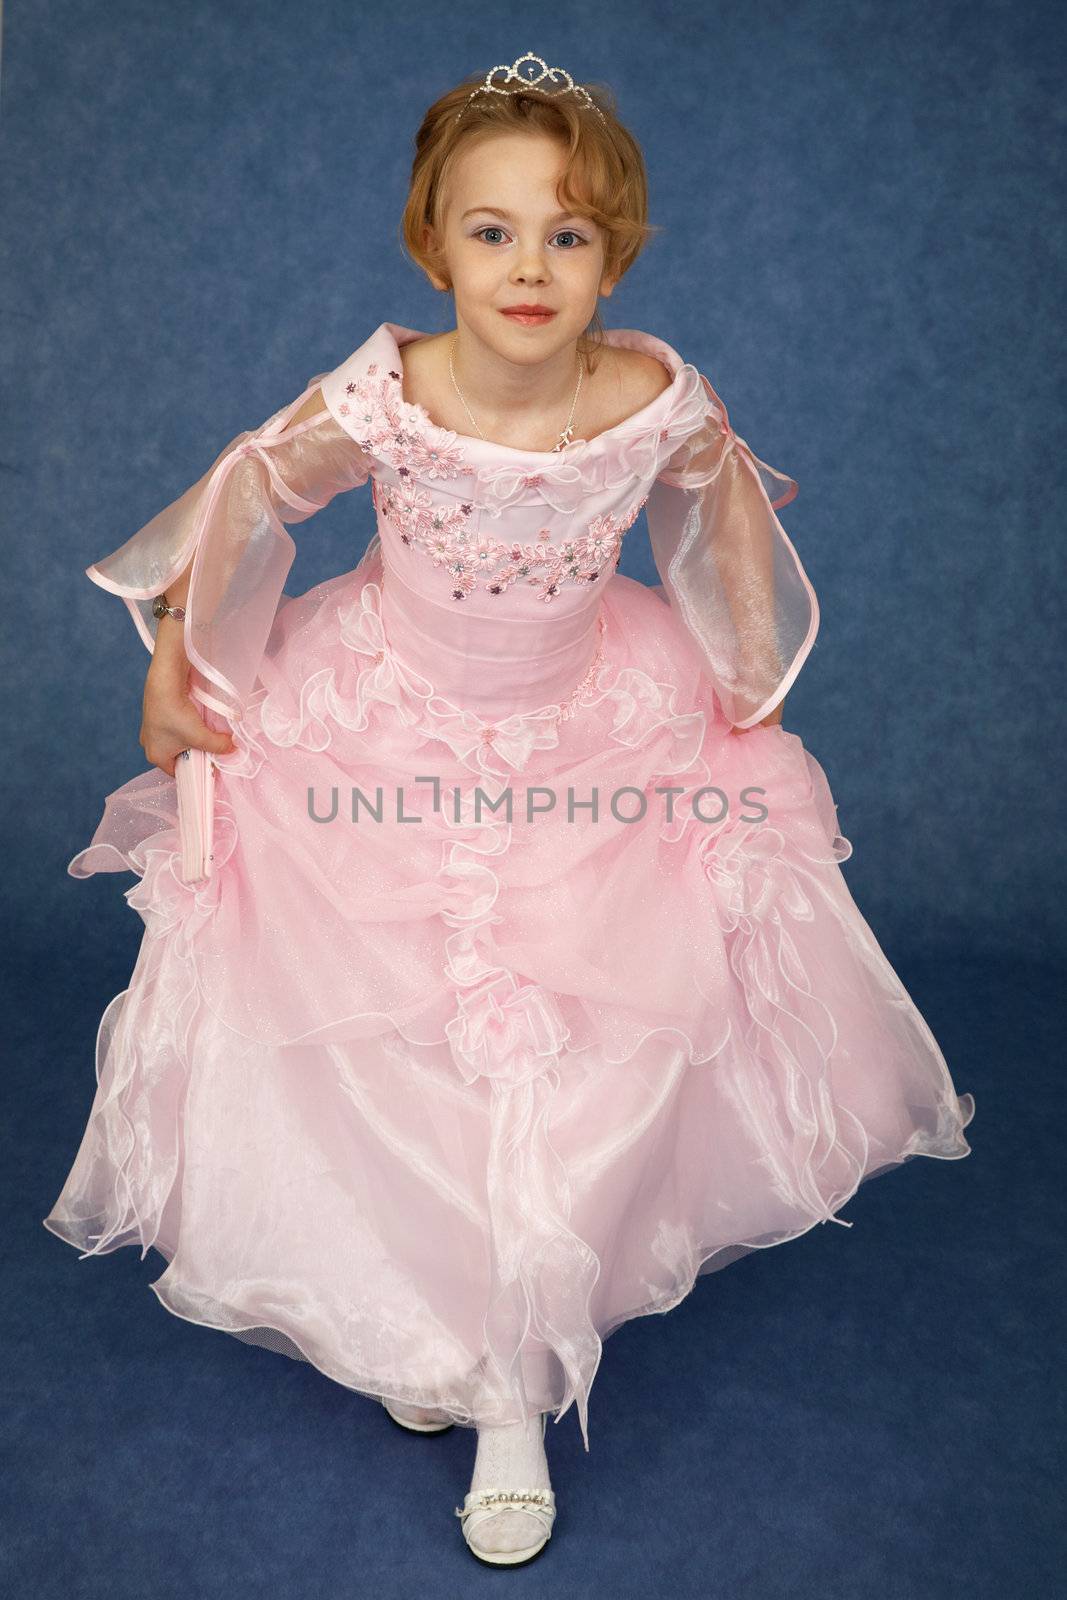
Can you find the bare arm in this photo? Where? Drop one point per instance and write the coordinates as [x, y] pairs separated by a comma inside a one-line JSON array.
[[170, 721]]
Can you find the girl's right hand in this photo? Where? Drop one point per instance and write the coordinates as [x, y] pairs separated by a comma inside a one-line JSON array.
[[170, 723]]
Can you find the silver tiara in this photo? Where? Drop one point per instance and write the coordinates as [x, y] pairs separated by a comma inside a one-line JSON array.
[[513, 75]]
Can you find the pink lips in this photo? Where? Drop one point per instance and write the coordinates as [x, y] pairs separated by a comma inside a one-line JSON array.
[[529, 316]]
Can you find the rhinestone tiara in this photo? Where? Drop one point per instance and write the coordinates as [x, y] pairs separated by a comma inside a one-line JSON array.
[[512, 74]]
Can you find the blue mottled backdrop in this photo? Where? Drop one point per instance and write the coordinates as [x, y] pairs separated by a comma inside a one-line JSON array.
[[863, 250]]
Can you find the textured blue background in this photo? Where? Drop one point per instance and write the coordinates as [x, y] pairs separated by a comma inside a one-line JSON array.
[[864, 253]]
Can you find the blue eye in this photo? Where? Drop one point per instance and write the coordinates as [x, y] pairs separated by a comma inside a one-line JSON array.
[[564, 232]]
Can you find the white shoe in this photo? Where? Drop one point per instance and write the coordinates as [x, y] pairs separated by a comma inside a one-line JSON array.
[[538, 1504], [415, 1427]]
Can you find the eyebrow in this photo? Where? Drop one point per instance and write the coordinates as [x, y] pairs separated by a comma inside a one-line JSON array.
[[498, 211]]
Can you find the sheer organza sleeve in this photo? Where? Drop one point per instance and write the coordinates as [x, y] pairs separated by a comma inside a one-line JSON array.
[[231, 523], [728, 568]]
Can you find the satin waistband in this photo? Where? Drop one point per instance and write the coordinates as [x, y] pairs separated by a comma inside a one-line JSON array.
[[471, 659]]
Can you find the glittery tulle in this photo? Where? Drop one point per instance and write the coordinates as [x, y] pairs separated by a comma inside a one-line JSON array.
[[524, 988]]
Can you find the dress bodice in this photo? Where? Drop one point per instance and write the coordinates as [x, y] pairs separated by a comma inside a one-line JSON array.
[[494, 558]]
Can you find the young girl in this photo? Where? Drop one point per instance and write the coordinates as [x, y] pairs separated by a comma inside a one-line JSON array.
[[524, 985]]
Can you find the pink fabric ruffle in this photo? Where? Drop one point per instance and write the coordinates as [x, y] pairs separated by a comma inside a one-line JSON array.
[[437, 1104]]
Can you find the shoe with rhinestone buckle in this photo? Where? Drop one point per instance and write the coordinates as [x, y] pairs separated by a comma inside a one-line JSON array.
[[416, 1427], [538, 1504]]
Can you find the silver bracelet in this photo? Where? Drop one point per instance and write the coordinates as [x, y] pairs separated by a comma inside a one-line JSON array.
[[160, 608]]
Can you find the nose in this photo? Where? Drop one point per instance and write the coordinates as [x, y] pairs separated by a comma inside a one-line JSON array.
[[530, 266]]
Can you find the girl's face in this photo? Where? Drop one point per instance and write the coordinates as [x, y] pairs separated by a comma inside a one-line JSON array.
[[506, 243]]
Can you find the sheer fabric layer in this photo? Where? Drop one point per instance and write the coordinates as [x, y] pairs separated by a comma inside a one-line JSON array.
[[230, 523], [729, 569], [439, 1103]]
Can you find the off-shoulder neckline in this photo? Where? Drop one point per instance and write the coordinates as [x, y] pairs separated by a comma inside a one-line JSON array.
[[648, 416]]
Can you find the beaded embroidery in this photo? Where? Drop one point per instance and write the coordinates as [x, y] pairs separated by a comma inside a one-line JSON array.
[[394, 430], [496, 564], [507, 1497]]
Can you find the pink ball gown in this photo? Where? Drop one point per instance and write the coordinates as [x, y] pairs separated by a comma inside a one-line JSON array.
[[522, 989]]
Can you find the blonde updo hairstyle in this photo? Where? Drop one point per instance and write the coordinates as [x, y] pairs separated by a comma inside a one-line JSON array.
[[603, 178]]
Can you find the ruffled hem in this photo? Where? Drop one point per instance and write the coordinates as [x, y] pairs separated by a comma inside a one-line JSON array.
[[286, 1339], [502, 1031]]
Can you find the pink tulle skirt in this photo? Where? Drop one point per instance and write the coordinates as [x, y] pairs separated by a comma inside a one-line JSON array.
[[437, 1101]]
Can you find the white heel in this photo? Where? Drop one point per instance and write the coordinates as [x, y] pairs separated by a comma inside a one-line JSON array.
[[415, 1427], [538, 1504]]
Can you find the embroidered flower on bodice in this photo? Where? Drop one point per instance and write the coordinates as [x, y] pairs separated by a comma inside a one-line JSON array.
[[398, 433], [472, 560], [388, 427]]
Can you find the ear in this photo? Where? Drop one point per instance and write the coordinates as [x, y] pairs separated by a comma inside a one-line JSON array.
[[429, 245], [607, 284]]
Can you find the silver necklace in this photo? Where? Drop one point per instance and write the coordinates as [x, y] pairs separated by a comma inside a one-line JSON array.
[[565, 438]]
